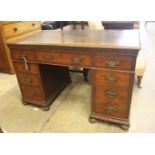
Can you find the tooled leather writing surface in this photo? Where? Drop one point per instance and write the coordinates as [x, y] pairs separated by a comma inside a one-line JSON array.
[[120, 39]]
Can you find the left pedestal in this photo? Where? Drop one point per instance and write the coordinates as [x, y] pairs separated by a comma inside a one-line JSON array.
[[41, 84]]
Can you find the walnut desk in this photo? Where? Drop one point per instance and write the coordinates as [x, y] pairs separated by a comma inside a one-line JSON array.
[[41, 62]]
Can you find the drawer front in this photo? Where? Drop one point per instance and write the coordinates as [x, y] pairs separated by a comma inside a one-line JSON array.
[[113, 78], [32, 93], [18, 28], [111, 101], [20, 67], [112, 93], [115, 62], [111, 108], [28, 79], [21, 54], [64, 58]]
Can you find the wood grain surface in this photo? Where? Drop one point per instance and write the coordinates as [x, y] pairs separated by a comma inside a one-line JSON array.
[[121, 39]]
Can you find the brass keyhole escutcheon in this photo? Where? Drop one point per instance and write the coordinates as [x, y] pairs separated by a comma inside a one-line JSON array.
[[48, 57], [77, 59]]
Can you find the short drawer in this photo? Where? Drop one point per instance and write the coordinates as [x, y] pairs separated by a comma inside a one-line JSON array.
[[64, 58], [80, 60], [32, 93], [20, 67], [110, 61], [28, 79], [112, 93], [113, 78], [22, 54], [111, 108], [15, 29]]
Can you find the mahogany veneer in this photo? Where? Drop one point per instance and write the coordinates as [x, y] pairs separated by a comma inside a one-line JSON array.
[[41, 62]]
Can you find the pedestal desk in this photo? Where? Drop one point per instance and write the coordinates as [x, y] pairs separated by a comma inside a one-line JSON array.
[[41, 62]]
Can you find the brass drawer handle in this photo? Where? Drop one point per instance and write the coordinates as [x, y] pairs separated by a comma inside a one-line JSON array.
[[48, 57], [112, 63], [111, 79], [31, 93], [110, 109], [77, 59], [110, 93], [15, 29], [28, 81]]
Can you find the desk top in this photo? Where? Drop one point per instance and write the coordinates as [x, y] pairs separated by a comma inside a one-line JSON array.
[[119, 39]]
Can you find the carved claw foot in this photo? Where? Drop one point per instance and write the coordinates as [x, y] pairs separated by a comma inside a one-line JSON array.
[[92, 120], [124, 127], [45, 108]]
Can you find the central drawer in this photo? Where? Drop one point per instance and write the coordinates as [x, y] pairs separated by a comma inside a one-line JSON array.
[[64, 58]]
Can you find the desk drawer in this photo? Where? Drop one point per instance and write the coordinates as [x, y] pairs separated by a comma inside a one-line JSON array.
[[18, 54], [20, 67], [113, 93], [112, 109], [120, 62], [64, 58], [28, 79], [33, 94], [18, 28], [113, 78]]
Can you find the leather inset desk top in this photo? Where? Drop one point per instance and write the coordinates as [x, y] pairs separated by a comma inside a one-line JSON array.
[[118, 39]]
